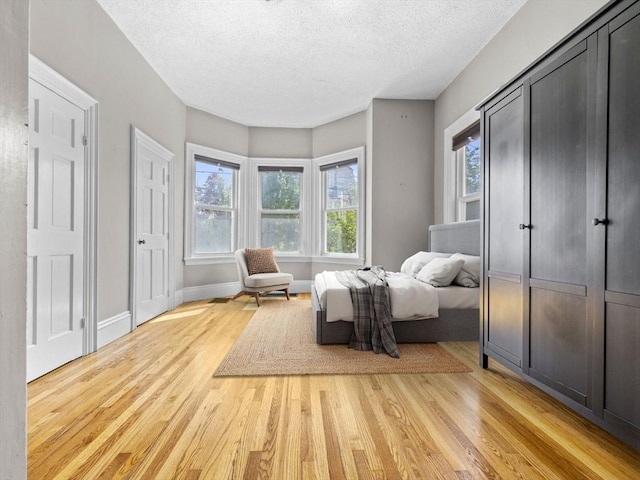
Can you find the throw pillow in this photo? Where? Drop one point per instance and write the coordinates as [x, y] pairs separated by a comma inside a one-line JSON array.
[[261, 260], [469, 274], [414, 263], [440, 272]]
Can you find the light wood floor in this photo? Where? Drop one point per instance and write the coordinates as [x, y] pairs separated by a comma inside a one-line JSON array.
[[148, 407]]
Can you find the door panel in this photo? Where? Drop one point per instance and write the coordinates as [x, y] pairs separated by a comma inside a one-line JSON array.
[[558, 354], [622, 287], [55, 301], [504, 333], [622, 360], [152, 227], [558, 174], [623, 194], [504, 127], [559, 332]]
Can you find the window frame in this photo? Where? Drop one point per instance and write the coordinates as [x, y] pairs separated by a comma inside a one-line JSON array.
[[462, 199], [357, 155], [452, 177], [254, 213], [191, 257]]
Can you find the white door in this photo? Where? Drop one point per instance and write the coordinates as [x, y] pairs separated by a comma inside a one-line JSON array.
[[151, 164], [55, 236]]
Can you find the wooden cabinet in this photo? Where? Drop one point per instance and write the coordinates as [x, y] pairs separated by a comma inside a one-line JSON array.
[[561, 222]]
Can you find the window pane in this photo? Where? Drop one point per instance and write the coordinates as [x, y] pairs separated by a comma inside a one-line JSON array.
[[280, 190], [214, 184], [342, 186], [342, 231], [213, 231], [472, 167], [280, 231], [472, 210]]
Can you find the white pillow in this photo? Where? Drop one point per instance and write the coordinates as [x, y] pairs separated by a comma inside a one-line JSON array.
[[414, 263], [440, 272], [469, 274]]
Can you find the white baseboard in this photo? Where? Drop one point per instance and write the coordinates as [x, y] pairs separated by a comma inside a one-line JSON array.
[[191, 294], [178, 298], [113, 328]]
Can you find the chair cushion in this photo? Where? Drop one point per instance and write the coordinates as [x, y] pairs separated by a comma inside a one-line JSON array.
[[260, 260], [260, 280]]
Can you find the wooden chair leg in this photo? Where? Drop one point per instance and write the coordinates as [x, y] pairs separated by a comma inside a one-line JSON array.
[[286, 292], [239, 294], [257, 295]]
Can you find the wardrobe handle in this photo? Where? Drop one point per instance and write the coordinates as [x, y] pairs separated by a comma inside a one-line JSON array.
[[522, 226], [600, 221]]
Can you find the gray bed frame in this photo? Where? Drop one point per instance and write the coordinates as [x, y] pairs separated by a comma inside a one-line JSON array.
[[451, 325]]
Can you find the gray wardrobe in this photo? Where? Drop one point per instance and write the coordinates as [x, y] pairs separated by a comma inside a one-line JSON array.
[[561, 221]]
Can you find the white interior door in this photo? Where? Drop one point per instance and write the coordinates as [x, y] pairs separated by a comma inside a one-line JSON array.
[[151, 163], [55, 236]]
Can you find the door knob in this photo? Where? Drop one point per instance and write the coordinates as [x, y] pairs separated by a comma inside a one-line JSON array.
[[600, 221], [141, 242], [522, 226]]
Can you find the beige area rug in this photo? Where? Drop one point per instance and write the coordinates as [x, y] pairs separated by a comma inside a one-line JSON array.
[[279, 340]]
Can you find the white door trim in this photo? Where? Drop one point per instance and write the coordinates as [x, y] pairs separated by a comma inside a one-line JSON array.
[[49, 78], [138, 135]]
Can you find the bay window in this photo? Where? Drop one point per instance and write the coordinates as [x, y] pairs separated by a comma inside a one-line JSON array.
[[305, 209]]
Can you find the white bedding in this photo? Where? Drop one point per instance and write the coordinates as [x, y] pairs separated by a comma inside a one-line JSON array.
[[410, 299]]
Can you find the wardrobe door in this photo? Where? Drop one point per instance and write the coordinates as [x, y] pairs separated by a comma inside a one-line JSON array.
[[503, 173], [559, 332], [622, 278]]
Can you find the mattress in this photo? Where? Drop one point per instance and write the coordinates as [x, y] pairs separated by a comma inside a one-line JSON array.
[[410, 299]]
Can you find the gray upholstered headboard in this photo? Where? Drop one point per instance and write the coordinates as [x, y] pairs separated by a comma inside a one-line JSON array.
[[461, 237]]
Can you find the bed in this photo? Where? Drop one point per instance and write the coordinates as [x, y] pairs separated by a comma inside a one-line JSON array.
[[450, 324]]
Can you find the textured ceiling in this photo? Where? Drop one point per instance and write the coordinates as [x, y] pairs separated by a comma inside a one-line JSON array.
[[302, 63]]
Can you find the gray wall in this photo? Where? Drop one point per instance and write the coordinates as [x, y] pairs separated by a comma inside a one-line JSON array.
[[216, 132], [93, 53], [535, 28], [340, 135], [14, 44], [280, 142], [401, 173]]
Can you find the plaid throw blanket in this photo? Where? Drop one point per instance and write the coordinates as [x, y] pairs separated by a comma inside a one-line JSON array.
[[371, 310]]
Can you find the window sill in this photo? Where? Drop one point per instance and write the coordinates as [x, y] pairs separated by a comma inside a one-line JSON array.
[[339, 260], [219, 259], [280, 258]]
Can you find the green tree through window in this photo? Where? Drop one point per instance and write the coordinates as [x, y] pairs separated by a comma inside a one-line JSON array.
[[280, 212], [214, 207], [341, 207]]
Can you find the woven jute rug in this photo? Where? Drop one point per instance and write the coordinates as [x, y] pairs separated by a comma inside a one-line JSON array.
[[279, 340]]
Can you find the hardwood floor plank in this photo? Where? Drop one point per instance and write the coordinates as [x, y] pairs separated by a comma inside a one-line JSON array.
[[382, 448], [334, 457], [362, 467], [148, 407]]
